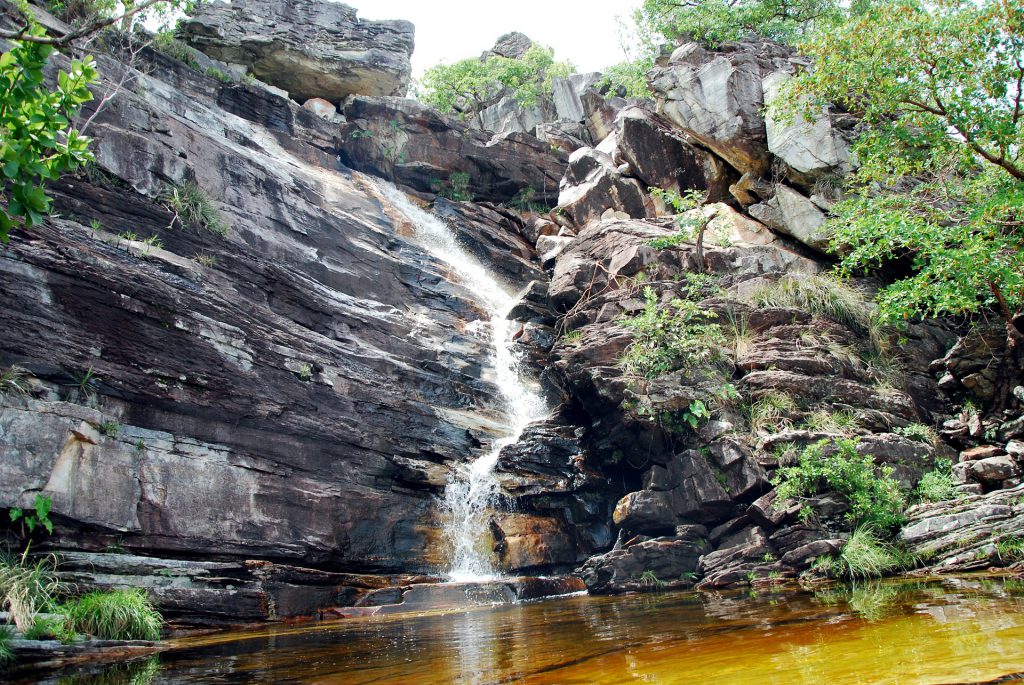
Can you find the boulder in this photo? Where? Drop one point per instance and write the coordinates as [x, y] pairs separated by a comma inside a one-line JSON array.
[[322, 108], [567, 92], [592, 184], [661, 563], [791, 213], [812, 149], [512, 45], [507, 115], [660, 156], [308, 48], [993, 471], [567, 136], [599, 113], [717, 99], [416, 146]]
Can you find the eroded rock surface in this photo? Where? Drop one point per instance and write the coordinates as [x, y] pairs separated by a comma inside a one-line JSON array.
[[309, 48]]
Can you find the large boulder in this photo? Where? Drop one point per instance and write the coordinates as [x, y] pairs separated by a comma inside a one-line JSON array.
[[309, 48], [791, 213], [592, 185], [418, 147], [659, 155]]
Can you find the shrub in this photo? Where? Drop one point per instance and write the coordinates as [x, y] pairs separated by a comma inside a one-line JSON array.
[[27, 588], [918, 432], [938, 484], [193, 207], [115, 615], [675, 337], [874, 497]]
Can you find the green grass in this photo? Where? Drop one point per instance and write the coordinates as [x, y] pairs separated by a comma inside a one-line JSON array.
[[51, 629], [6, 655], [826, 296], [28, 587], [13, 380], [193, 207], [918, 432], [1010, 549], [115, 615], [770, 414], [841, 422], [649, 579], [867, 555]]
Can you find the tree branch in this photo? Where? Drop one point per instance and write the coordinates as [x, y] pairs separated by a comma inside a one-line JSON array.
[[71, 36]]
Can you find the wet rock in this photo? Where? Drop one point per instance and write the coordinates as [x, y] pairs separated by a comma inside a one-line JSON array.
[[416, 146], [661, 563], [310, 49], [530, 541], [734, 559]]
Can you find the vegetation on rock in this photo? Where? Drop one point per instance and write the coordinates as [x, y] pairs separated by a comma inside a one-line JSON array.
[[115, 615], [475, 82]]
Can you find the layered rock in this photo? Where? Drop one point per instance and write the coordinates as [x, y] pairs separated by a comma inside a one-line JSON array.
[[309, 48], [417, 147]]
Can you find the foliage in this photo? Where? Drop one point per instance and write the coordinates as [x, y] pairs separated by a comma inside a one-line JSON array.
[[193, 207], [524, 201], [12, 380], [110, 428], [867, 555], [628, 78], [215, 73], [1010, 549], [528, 77], [650, 579], [39, 141], [918, 432], [305, 372], [456, 188], [688, 225], [938, 484], [115, 615], [6, 655], [939, 87], [713, 22], [874, 497], [40, 516], [26, 588], [168, 43], [676, 336]]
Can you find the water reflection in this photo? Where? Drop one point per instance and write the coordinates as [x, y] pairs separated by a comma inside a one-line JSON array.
[[961, 631]]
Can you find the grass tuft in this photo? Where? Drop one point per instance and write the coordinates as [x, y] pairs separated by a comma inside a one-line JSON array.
[[115, 615], [193, 207], [27, 588]]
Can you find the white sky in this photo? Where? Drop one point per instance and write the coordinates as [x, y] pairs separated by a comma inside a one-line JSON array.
[[584, 32]]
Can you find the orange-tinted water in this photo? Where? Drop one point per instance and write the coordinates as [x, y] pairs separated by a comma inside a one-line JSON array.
[[959, 631]]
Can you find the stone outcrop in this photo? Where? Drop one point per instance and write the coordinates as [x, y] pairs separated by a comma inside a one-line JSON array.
[[419, 148], [593, 185], [308, 48]]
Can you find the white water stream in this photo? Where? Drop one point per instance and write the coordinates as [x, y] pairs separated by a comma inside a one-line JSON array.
[[473, 488]]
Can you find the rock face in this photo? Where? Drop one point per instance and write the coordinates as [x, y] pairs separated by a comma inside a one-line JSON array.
[[417, 147], [309, 48], [295, 390]]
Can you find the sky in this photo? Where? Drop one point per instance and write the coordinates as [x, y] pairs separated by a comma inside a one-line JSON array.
[[584, 32]]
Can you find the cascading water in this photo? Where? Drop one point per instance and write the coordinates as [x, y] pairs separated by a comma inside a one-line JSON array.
[[473, 487]]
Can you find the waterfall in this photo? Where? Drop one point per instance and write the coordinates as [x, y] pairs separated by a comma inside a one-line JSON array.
[[473, 487]]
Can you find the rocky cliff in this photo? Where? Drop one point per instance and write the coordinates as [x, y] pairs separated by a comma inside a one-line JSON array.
[[265, 417]]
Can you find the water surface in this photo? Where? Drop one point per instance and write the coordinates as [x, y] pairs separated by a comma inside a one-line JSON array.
[[957, 631]]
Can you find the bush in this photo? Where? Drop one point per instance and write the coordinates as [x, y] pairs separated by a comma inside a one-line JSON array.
[[115, 615], [937, 485], [678, 336], [27, 588], [918, 432], [771, 412], [874, 497], [193, 207], [823, 296], [867, 555]]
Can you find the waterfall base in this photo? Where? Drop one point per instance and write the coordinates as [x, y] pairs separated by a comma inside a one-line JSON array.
[[454, 596]]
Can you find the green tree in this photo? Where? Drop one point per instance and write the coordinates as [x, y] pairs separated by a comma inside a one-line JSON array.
[[526, 78], [940, 89], [715, 21], [38, 137], [39, 141]]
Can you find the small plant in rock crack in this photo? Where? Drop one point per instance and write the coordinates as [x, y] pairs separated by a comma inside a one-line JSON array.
[[14, 381], [677, 336], [305, 372], [938, 484], [192, 207], [650, 579]]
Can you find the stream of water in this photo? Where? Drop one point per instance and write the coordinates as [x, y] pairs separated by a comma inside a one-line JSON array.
[[473, 489], [968, 630]]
